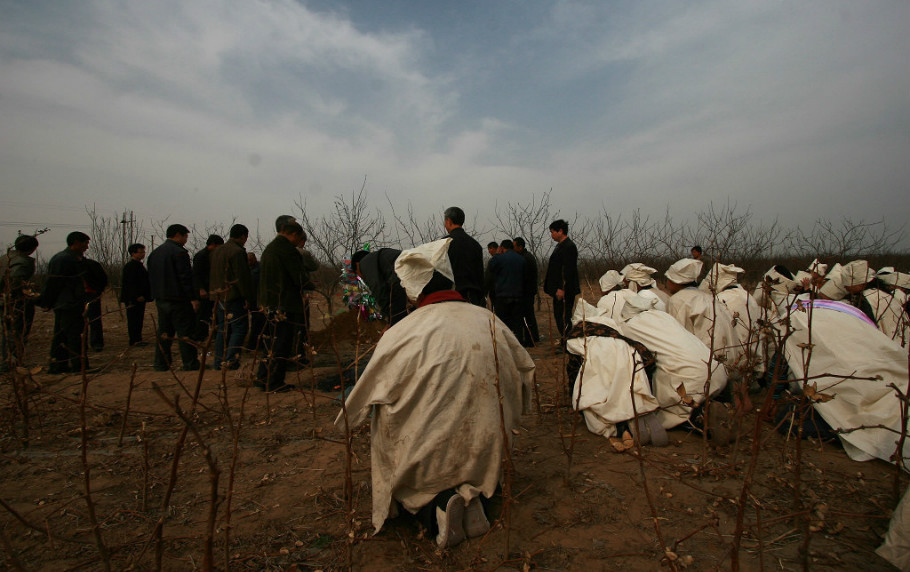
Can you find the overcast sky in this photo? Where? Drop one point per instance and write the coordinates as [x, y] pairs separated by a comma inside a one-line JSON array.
[[208, 109]]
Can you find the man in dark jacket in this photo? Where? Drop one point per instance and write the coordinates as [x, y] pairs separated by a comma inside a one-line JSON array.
[[561, 280], [202, 270], [135, 292], [508, 270], [466, 256], [17, 267], [176, 297], [377, 269], [64, 292], [281, 298], [232, 292], [95, 284], [531, 331]]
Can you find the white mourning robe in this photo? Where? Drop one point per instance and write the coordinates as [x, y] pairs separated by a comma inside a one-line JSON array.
[[431, 387], [845, 345], [682, 360], [696, 311], [889, 313], [746, 313], [896, 547], [611, 368]]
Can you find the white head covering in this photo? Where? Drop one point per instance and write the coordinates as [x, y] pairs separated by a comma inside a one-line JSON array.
[[779, 282], [818, 267], [802, 276], [415, 266], [889, 276], [684, 271], [639, 273], [722, 275], [636, 305], [585, 312], [856, 273], [610, 280]]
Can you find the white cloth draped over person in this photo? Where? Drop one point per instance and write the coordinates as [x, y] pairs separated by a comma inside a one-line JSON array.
[[611, 368], [431, 387], [681, 358], [844, 344]]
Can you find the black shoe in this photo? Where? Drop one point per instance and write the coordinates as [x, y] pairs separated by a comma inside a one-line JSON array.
[[157, 367], [194, 366], [57, 370]]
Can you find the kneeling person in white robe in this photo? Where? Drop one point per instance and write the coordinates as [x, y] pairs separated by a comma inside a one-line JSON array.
[[437, 416], [611, 386]]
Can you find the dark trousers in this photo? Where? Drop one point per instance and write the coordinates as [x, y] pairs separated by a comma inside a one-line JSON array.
[[95, 330], [232, 323], [531, 331], [257, 330], [278, 342], [175, 318], [562, 312], [17, 323], [135, 317], [204, 316], [509, 311], [66, 345]]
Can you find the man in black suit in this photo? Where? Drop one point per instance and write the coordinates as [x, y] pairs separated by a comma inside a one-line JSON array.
[[135, 292], [561, 281], [466, 257]]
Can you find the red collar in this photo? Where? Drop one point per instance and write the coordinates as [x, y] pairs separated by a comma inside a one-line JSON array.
[[441, 296]]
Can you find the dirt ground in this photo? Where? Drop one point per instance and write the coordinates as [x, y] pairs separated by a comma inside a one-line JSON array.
[[277, 465]]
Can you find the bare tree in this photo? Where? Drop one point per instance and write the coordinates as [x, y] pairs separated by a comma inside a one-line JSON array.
[[845, 239]]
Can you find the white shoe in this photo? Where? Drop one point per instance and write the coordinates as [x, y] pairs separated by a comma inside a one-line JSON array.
[[475, 520], [450, 522]]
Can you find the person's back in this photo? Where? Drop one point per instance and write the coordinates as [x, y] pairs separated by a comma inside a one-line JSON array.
[[170, 272], [466, 257]]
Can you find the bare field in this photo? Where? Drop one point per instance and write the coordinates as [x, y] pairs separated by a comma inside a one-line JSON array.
[[264, 475]]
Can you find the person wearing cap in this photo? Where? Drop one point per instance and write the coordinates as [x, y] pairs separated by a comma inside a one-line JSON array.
[[847, 284], [610, 379], [443, 403], [611, 290], [697, 311], [638, 278], [530, 291], [202, 271], [17, 268], [561, 281], [176, 297], [888, 305], [722, 282], [466, 256], [680, 378]]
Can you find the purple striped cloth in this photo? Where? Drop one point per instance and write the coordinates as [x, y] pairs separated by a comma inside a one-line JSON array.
[[836, 306]]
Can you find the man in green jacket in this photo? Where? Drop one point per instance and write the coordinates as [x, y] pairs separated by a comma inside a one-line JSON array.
[[281, 298], [231, 289]]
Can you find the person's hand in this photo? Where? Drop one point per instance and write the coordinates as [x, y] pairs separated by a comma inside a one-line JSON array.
[[560, 294]]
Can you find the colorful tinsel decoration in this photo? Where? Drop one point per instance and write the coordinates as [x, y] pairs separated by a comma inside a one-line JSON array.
[[356, 294]]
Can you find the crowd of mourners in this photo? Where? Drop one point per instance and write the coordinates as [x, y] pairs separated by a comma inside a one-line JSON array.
[[641, 359]]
